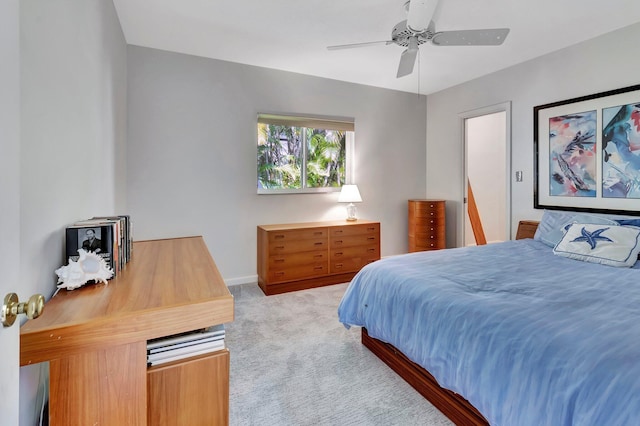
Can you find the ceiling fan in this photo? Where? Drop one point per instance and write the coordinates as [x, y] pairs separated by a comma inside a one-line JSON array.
[[420, 28]]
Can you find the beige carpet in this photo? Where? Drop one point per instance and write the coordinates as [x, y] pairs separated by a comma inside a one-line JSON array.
[[293, 363]]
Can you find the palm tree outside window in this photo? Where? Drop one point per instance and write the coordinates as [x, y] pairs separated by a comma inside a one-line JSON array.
[[301, 154]]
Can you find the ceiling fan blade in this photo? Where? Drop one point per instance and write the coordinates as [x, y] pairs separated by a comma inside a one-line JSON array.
[[353, 45], [436, 15], [420, 14], [408, 58], [490, 37]]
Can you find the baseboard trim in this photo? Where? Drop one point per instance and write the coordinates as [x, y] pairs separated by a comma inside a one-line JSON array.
[[253, 279], [250, 279]]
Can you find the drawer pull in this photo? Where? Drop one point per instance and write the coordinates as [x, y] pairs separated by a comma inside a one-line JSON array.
[[317, 256], [318, 233], [371, 238], [338, 241], [279, 247], [318, 268], [279, 236], [431, 213], [371, 250], [371, 229], [279, 260], [279, 274], [431, 205], [319, 243], [338, 253], [339, 231], [338, 265]]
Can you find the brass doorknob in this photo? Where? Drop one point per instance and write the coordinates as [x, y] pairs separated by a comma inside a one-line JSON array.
[[12, 308]]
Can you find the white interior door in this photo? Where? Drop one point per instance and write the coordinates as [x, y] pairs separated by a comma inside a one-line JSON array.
[[9, 202], [9, 373], [487, 169]]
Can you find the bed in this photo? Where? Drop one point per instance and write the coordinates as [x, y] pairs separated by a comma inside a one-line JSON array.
[[513, 333]]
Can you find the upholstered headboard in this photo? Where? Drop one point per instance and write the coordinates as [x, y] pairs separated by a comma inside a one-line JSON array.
[[526, 229]]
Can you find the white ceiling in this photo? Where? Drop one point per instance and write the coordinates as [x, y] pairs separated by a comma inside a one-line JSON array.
[[292, 35]]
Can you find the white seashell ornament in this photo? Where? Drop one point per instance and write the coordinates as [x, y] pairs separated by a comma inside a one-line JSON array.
[[89, 266]]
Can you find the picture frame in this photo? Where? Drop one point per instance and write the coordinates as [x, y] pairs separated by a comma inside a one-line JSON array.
[[587, 153]]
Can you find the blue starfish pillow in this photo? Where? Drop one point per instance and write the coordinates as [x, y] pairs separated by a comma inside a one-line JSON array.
[[597, 243]]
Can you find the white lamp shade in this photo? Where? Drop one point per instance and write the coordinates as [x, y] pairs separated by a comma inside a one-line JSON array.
[[349, 194]]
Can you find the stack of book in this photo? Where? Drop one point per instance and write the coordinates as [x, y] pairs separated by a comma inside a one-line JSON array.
[[185, 345], [108, 236]]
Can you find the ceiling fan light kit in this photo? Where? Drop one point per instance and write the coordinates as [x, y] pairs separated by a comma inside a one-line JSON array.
[[420, 28]]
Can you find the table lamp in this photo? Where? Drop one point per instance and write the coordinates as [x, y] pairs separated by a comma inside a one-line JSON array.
[[350, 194]]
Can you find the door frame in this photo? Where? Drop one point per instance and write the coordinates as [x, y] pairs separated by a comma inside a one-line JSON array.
[[463, 117], [10, 209]]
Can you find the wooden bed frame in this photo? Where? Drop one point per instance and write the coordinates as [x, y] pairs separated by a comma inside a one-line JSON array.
[[452, 405]]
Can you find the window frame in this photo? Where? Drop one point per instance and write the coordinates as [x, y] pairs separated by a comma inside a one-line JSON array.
[[319, 122]]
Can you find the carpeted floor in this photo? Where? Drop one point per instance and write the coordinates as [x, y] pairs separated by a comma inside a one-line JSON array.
[[293, 363]]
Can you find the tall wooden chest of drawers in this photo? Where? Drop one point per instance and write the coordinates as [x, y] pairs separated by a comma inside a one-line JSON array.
[[298, 256], [426, 225]]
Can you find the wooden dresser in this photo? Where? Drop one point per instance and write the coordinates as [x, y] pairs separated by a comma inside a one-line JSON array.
[[298, 256], [95, 339], [427, 230]]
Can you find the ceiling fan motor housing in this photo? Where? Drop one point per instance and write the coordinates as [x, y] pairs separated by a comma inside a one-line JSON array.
[[401, 34]]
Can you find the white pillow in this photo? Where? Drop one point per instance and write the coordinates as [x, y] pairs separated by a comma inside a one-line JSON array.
[[552, 225], [597, 243]]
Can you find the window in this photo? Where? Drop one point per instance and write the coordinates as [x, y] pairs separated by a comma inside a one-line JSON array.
[[301, 154]]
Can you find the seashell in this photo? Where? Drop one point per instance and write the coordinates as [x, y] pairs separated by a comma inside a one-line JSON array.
[[90, 266]]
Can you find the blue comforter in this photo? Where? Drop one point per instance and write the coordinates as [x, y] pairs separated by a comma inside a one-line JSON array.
[[529, 338]]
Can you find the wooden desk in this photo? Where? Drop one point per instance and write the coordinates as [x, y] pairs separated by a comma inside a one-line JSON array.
[[95, 337]]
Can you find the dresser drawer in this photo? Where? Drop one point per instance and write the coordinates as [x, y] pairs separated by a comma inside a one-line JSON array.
[[366, 229], [287, 260], [297, 234], [429, 246], [353, 240], [437, 227], [295, 246], [343, 253], [428, 237], [427, 242], [426, 206], [350, 265], [432, 221], [298, 272], [429, 213]]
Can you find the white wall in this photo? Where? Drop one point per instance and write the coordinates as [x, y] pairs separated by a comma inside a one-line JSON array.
[[605, 63], [192, 153], [73, 130]]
